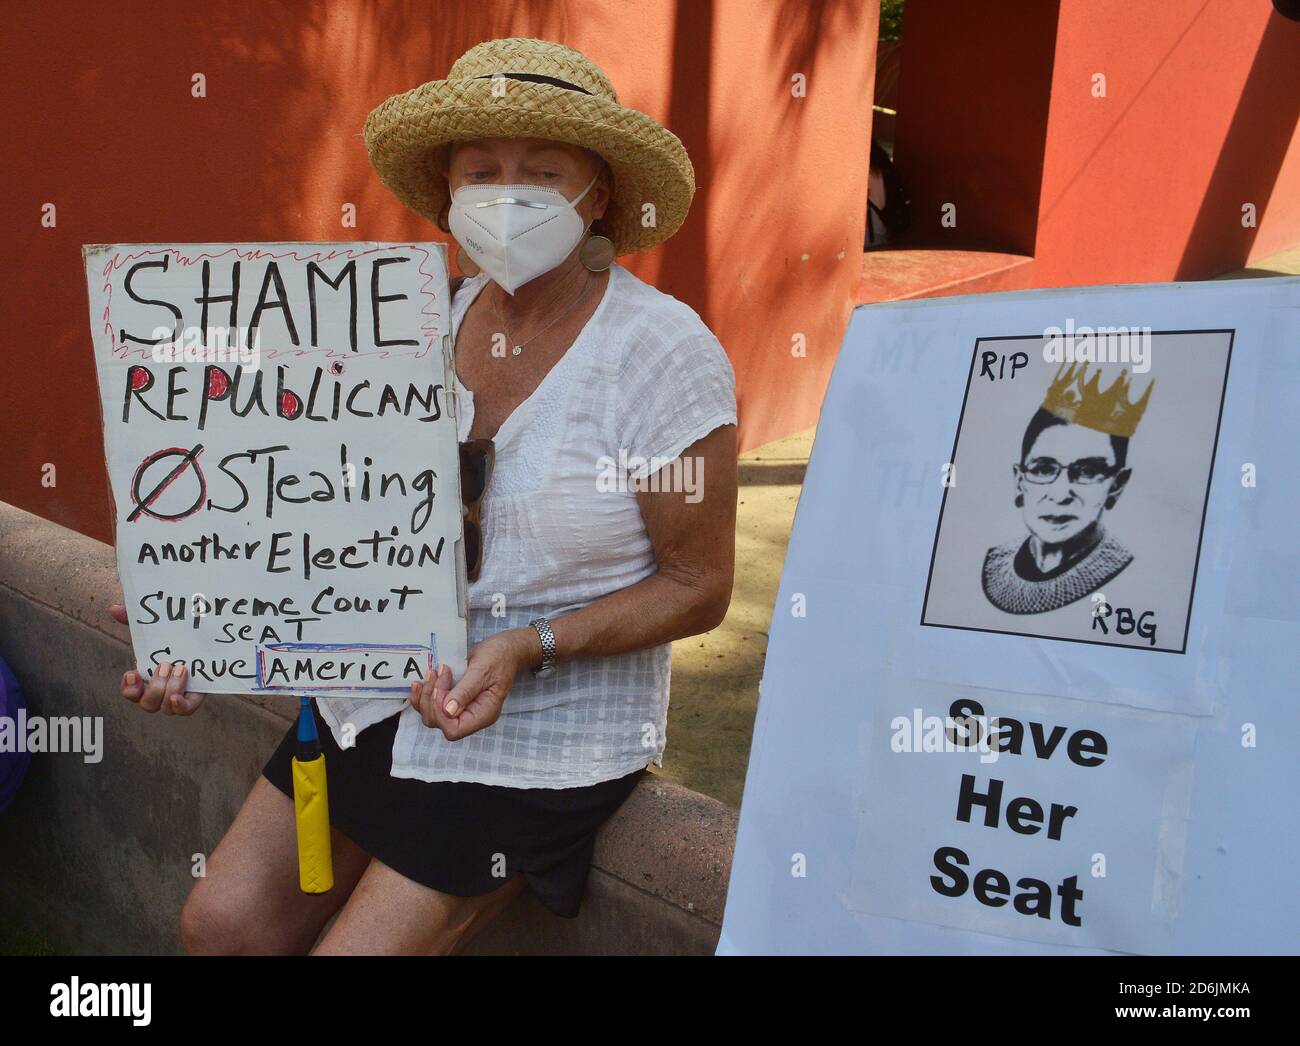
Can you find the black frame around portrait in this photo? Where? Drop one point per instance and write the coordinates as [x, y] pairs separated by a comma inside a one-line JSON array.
[[1205, 505]]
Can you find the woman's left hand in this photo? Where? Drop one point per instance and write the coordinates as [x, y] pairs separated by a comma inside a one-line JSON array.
[[475, 701]]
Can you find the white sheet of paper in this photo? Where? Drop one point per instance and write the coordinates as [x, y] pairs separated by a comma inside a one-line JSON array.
[[1066, 827], [287, 489]]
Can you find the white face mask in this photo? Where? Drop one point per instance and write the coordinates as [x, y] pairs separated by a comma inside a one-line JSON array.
[[515, 233]]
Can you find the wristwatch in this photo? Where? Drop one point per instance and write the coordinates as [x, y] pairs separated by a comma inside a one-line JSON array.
[[547, 637]]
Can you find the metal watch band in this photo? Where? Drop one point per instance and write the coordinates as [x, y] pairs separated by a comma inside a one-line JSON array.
[[547, 637]]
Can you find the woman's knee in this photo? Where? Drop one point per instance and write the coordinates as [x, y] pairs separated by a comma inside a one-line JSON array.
[[216, 922]]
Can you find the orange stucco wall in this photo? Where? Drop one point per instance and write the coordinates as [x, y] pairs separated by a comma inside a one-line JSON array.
[[99, 120], [1199, 118], [997, 113], [1109, 141]]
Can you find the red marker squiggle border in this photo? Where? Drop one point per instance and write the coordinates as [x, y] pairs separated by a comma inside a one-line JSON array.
[[428, 329]]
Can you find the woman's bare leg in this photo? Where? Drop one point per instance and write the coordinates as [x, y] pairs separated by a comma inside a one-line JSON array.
[[249, 902], [389, 914]]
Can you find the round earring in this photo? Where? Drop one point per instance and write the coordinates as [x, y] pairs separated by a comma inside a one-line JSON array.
[[1020, 501], [465, 263], [597, 253]]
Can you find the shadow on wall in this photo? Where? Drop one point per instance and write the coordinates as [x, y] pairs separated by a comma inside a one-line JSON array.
[[784, 254], [101, 120], [100, 114], [1252, 154]]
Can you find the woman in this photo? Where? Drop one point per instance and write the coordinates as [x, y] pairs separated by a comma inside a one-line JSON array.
[[1073, 469], [446, 807]]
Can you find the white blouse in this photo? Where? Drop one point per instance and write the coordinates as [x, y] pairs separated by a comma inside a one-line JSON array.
[[644, 379]]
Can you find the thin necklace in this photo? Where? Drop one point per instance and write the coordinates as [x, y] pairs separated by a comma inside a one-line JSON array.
[[519, 348]]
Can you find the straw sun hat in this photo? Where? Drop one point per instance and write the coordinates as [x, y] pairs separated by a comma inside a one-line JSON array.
[[523, 88]]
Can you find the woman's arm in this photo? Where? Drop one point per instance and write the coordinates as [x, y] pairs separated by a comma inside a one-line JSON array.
[[695, 549], [694, 538]]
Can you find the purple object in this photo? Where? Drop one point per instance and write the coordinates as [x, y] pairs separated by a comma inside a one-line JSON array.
[[13, 765]]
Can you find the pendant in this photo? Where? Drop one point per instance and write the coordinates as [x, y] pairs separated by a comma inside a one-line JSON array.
[[516, 350]]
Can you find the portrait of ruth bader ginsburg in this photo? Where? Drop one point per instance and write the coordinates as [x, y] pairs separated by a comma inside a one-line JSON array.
[[1073, 468]]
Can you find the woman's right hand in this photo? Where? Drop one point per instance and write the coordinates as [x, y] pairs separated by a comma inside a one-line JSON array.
[[165, 692]]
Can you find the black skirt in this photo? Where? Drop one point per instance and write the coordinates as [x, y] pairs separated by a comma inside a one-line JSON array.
[[452, 836]]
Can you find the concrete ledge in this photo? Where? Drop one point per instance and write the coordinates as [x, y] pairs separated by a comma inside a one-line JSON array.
[[97, 857], [895, 273]]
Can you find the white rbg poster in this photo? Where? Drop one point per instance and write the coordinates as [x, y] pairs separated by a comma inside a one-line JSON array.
[[1031, 683]]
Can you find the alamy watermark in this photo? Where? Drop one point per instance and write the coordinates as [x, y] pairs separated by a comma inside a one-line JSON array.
[[1071, 344], [229, 345], [54, 734], [632, 472], [73, 998], [931, 733]]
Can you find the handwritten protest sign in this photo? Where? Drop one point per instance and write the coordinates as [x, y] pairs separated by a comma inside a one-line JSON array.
[[281, 446]]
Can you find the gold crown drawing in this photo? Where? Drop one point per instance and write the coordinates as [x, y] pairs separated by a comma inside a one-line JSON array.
[[1075, 397]]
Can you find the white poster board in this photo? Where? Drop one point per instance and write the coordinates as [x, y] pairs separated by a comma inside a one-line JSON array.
[[1031, 688], [281, 445]]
